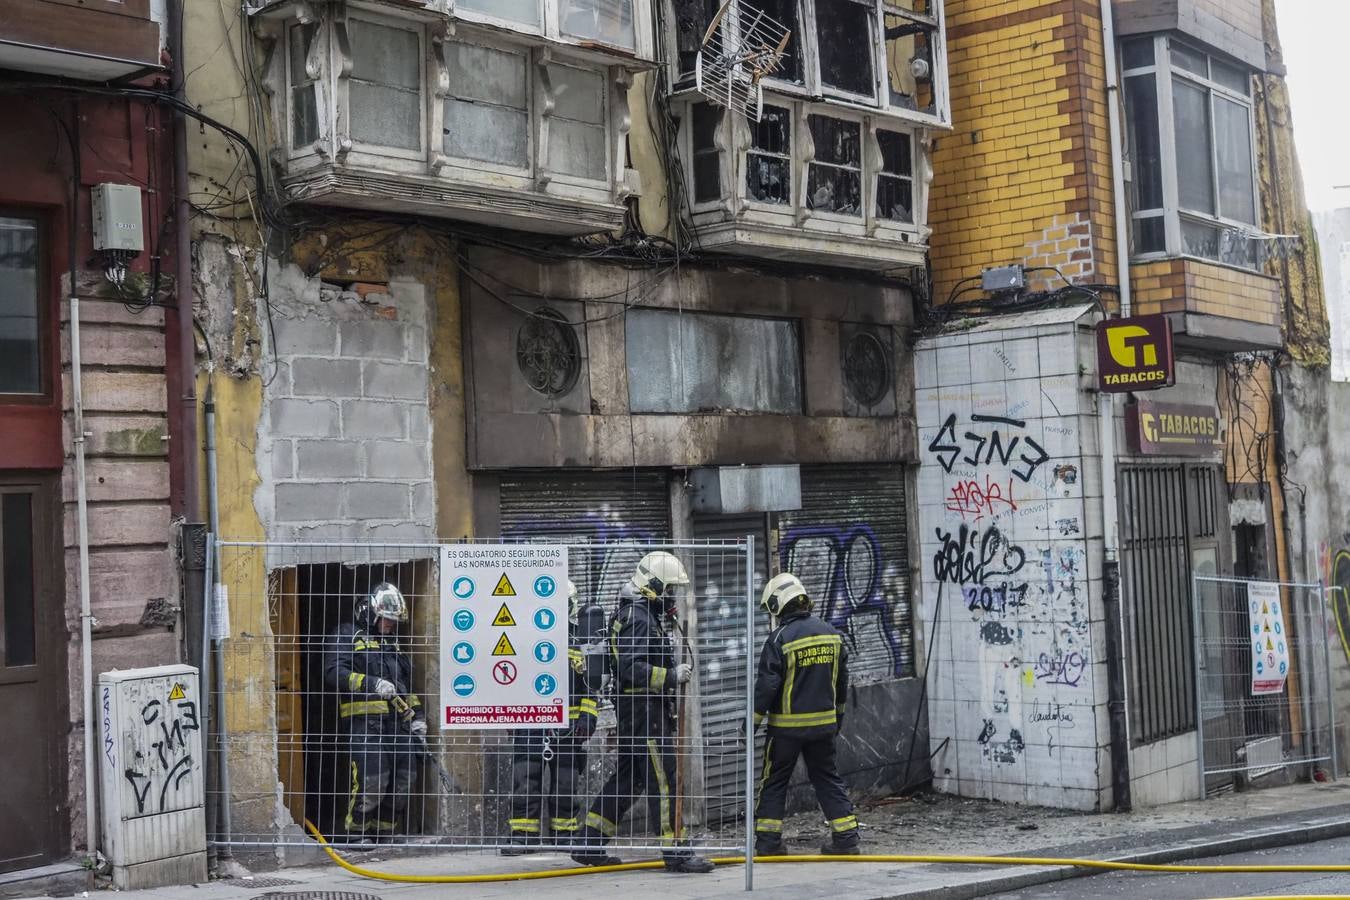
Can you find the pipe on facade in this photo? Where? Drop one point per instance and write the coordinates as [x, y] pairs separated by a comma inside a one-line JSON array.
[[224, 814], [186, 445], [1117, 683], [78, 435]]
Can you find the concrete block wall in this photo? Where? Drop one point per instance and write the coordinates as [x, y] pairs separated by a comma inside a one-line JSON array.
[[1010, 525], [344, 449]]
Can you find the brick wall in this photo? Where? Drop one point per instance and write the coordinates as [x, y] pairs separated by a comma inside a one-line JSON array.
[[1190, 285], [1025, 174]]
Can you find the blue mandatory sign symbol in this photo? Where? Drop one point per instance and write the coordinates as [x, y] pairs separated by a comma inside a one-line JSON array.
[[545, 685], [1280, 646], [1283, 666], [544, 619], [544, 586], [463, 620], [463, 653], [1256, 628], [463, 685], [463, 587], [1259, 667], [544, 651], [1277, 628]]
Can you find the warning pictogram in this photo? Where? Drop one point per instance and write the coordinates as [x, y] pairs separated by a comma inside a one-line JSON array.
[[503, 588], [177, 693], [504, 672], [503, 647], [504, 618]]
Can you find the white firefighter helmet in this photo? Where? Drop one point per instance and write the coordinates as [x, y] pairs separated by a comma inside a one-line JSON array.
[[781, 590], [657, 572], [573, 602], [383, 602]]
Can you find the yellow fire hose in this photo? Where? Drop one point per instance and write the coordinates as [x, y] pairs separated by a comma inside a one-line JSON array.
[[811, 858]]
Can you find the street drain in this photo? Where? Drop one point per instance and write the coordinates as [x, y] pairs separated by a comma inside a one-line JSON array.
[[316, 895], [260, 881]]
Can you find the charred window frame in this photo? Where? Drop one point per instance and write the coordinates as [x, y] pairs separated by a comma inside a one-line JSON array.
[[879, 54], [1192, 144]]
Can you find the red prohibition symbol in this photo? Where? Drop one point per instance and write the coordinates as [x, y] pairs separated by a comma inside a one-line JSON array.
[[504, 672]]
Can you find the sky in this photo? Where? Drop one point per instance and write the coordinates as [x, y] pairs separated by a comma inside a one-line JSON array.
[[1315, 35]]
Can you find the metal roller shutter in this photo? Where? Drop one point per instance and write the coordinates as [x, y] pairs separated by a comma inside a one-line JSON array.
[[849, 545]]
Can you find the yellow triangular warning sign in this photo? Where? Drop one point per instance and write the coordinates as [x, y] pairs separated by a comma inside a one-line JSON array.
[[1269, 645], [504, 618], [177, 693], [1267, 626], [503, 588], [1265, 607], [503, 647]]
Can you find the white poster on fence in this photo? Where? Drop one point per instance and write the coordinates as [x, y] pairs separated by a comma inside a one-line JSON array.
[[503, 635], [1270, 648]]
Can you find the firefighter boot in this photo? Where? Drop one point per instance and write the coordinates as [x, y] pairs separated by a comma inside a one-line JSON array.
[[689, 865], [770, 846], [590, 849], [845, 844]]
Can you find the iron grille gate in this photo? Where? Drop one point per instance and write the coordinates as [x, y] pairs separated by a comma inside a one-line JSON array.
[[1246, 633], [286, 755]]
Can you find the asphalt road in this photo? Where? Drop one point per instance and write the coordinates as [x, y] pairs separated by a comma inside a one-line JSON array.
[[1190, 887]]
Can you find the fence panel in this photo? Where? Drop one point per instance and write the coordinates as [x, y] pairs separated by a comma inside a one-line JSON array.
[[291, 755], [1263, 689]]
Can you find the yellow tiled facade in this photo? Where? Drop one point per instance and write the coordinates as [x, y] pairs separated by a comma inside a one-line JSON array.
[[1195, 286], [1025, 174]]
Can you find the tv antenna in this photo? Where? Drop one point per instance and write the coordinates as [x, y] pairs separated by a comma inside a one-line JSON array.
[[741, 46]]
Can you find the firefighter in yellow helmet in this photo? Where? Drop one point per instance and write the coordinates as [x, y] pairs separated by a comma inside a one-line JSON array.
[[800, 688], [642, 659]]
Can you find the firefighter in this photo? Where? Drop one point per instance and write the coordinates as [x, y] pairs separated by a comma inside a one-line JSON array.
[[369, 671], [800, 688], [564, 751], [641, 656]]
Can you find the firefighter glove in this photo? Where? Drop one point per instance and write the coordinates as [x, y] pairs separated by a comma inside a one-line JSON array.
[[418, 728], [385, 689], [683, 672], [584, 727]]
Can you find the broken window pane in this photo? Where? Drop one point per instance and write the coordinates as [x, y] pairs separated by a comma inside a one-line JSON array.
[[576, 127], [606, 21], [834, 180], [844, 36], [487, 112], [304, 90], [784, 12], [707, 159], [768, 166], [385, 95], [895, 182], [526, 12], [691, 23], [909, 62]]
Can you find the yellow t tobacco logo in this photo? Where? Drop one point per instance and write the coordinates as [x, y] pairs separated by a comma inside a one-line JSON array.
[[1123, 353], [1148, 423]]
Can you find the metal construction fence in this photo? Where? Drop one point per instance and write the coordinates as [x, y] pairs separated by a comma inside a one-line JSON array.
[[1263, 679], [296, 742]]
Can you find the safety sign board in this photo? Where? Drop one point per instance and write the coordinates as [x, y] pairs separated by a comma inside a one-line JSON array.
[[503, 655], [1269, 637]]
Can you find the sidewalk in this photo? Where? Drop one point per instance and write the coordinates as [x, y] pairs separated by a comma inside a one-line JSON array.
[[942, 825]]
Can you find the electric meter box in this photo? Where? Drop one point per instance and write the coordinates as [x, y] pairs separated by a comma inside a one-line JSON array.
[[117, 217], [153, 782]]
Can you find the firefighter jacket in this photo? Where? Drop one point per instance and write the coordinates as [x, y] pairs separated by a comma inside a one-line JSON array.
[[582, 712], [642, 658], [803, 678], [356, 661]]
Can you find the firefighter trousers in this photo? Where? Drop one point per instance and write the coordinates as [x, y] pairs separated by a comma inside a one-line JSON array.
[[780, 758], [646, 765], [382, 772], [532, 753]]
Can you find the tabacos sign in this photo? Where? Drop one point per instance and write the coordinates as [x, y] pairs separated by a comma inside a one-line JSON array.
[[1171, 429], [1135, 354]]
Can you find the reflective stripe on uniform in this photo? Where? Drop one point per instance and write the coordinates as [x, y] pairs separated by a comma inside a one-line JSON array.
[[764, 776], [773, 826], [659, 770], [363, 708], [351, 798], [565, 825], [601, 824], [657, 679], [528, 826], [847, 823], [803, 720], [355, 680], [414, 700], [589, 706], [371, 644]]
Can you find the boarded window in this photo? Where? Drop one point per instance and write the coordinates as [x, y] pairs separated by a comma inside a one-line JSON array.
[[303, 88], [20, 343], [684, 362], [576, 128], [834, 180], [487, 111], [768, 164], [606, 21], [385, 95], [844, 38], [895, 182]]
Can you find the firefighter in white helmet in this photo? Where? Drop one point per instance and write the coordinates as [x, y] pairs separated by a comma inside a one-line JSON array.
[[800, 688], [642, 659]]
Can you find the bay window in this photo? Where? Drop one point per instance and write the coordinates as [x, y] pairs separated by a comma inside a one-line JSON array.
[[1192, 152], [614, 23]]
